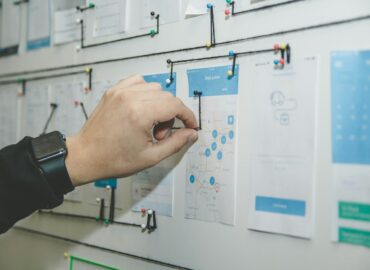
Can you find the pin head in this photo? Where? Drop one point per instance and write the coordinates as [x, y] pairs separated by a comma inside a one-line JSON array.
[[168, 81], [91, 5], [231, 53], [228, 1], [209, 5], [152, 13], [143, 226], [169, 61], [283, 46], [276, 47], [208, 45], [276, 62], [227, 12], [150, 212], [76, 103], [229, 73], [78, 20], [152, 32], [282, 61], [78, 47], [87, 70], [65, 254]]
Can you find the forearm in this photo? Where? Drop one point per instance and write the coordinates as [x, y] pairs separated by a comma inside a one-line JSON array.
[[23, 187]]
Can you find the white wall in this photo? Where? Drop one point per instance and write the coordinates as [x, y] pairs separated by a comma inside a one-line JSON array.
[[191, 243]]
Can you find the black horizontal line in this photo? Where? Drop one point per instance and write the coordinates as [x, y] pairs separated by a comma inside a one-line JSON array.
[[289, 31], [101, 248]]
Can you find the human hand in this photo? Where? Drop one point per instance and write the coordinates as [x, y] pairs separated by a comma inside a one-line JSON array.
[[117, 140]]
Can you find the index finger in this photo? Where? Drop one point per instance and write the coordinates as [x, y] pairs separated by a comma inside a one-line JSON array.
[[170, 108]]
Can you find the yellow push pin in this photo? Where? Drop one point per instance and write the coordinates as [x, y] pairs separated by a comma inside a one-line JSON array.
[[283, 46], [87, 70], [229, 73], [66, 254], [208, 45]]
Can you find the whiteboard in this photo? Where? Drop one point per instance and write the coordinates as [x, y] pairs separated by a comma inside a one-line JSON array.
[[193, 244]]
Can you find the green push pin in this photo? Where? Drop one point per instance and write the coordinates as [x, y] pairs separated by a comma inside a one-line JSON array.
[[152, 32], [106, 221], [228, 1], [97, 218], [91, 5]]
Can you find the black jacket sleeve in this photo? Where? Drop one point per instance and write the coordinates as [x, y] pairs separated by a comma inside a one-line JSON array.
[[23, 187]]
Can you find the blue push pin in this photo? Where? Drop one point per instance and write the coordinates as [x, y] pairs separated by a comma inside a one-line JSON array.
[[209, 5], [276, 62], [231, 53]]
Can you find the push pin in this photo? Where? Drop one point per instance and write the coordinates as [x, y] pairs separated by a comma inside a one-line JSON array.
[[276, 48], [282, 62], [88, 70], [152, 13], [168, 81], [208, 45], [143, 227], [283, 46], [228, 1], [152, 32], [143, 211], [78, 47], [231, 54], [78, 20], [227, 12], [230, 73], [209, 6], [108, 187], [77, 103], [276, 62], [66, 255]]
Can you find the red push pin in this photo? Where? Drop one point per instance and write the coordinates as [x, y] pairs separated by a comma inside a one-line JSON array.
[[282, 62], [86, 89], [227, 12], [143, 211], [77, 103], [276, 47]]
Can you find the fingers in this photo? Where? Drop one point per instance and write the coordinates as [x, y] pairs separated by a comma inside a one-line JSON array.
[[163, 130], [170, 108], [130, 81], [172, 144]]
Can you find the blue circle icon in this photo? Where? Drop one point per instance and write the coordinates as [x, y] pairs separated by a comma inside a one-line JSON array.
[[214, 146], [212, 181], [231, 134], [192, 179], [219, 155], [207, 152], [223, 139], [214, 133]]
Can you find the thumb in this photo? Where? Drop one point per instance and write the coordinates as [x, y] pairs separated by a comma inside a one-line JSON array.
[[174, 143]]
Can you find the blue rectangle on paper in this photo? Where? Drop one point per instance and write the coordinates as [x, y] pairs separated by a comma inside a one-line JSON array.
[[281, 206], [161, 78], [213, 81], [350, 107], [106, 182], [38, 43]]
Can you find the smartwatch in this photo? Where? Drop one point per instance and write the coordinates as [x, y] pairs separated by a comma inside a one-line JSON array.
[[50, 151]]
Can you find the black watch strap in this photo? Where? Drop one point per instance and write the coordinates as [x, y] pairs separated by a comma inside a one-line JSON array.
[[57, 175]]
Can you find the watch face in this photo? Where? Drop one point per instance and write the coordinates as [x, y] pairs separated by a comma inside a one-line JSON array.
[[48, 145]]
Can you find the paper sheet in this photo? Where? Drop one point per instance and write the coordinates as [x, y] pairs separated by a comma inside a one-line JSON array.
[[38, 24], [69, 117], [153, 188], [169, 11], [283, 150], [65, 27], [211, 161], [351, 146], [110, 17], [10, 28], [37, 109], [8, 115]]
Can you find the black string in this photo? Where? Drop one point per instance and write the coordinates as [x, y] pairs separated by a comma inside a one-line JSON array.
[[84, 110], [151, 33], [101, 248], [233, 12], [212, 25], [279, 33], [53, 106], [86, 217], [199, 95], [112, 205], [101, 210]]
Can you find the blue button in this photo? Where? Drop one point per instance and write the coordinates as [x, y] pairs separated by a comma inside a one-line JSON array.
[[106, 182], [207, 152], [214, 133], [219, 155], [281, 206], [214, 146], [231, 134], [230, 119], [223, 139], [212, 181], [192, 179]]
